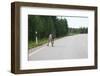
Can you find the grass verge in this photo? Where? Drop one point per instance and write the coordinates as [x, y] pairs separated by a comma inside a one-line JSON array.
[[32, 44]]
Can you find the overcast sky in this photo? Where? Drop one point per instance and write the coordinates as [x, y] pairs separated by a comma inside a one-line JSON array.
[[76, 22]]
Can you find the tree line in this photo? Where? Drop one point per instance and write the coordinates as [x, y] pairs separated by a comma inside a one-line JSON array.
[[80, 30], [44, 25]]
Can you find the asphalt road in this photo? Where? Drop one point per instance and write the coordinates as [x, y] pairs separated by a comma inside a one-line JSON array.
[[70, 47]]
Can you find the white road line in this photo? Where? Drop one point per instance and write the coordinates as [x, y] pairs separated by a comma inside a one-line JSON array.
[[37, 50]]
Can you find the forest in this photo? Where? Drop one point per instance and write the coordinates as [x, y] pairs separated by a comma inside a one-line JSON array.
[[42, 26]]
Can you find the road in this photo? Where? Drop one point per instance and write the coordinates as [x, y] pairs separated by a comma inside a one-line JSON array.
[[69, 47]]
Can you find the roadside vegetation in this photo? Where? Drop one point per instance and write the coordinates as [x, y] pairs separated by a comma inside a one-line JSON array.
[[33, 44], [42, 26]]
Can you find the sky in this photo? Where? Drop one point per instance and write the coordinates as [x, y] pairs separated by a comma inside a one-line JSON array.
[[76, 21]]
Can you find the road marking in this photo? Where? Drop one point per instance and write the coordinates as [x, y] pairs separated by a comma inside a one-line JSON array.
[[36, 51]]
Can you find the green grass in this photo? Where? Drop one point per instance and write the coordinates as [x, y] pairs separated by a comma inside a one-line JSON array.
[[32, 44]]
